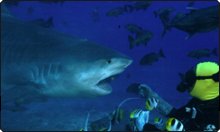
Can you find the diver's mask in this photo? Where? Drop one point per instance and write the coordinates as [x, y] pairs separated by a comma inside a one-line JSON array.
[[189, 80]]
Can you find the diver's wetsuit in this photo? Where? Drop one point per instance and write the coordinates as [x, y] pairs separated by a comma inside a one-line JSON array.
[[206, 113]]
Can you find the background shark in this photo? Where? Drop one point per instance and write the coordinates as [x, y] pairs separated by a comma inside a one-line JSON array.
[[197, 21], [42, 61]]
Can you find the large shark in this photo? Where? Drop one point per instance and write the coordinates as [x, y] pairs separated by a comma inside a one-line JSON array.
[[54, 64]]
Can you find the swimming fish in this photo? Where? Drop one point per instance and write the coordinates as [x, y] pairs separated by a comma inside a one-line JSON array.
[[197, 21], [44, 23], [151, 58], [141, 36], [164, 15], [115, 12], [128, 8], [201, 53], [134, 29]]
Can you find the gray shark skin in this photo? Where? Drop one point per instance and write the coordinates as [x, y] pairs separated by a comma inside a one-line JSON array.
[[54, 64]]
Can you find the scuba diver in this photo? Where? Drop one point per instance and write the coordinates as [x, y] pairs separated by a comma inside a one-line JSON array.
[[201, 113]]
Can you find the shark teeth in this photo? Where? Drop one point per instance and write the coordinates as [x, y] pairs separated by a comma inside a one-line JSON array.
[[106, 80], [105, 87], [104, 83]]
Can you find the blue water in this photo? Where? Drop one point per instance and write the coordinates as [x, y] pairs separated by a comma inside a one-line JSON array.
[[75, 18]]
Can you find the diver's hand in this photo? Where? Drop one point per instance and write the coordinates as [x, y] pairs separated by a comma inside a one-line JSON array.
[[143, 90], [172, 124], [151, 103], [192, 111], [210, 127], [140, 118]]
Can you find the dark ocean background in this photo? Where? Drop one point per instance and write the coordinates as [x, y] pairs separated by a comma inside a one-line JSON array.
[[78, 19]]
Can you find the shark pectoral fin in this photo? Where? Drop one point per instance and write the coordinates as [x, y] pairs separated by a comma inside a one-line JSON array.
[[14, 108], [17, 96]]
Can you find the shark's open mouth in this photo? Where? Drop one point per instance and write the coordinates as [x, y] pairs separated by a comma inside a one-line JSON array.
[[104, 84]]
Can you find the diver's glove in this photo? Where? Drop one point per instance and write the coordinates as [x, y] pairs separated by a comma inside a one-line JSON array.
[[144, 90], [192, 111], [151, 103], [210, 127], [139, 118], [172, 124]]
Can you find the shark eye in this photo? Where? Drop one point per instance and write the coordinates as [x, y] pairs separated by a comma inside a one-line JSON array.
[[109, 61]]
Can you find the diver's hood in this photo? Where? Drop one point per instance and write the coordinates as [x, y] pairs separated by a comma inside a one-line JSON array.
[[201, 81]]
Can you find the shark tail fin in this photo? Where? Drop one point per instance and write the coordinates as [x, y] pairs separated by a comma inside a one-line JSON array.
[[161, 53]]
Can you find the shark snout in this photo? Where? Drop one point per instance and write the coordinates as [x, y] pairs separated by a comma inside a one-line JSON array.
[[129, 61], [125, 62]]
